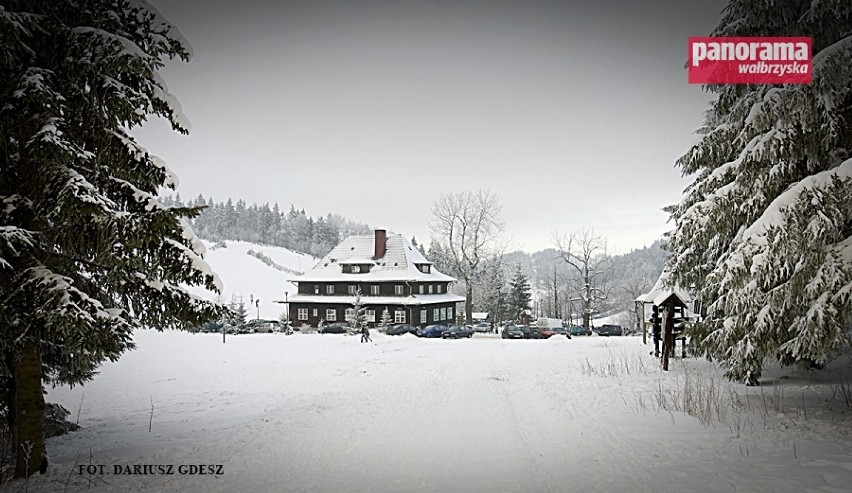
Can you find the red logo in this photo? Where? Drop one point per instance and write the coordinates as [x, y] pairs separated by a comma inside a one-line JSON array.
[[750, 60]]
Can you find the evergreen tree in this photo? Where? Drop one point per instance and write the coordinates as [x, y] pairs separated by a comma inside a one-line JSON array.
[[87, 251], [359, 318], [237, 312], [765, 230], [386, 320], [519, 295], [494, 297]]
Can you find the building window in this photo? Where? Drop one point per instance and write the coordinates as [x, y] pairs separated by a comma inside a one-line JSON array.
[[399, 317], [316, 288], [424, 268], [436, 314], [450, 313], [329, 289], [350, 314], [371, 315], [331, 315], [421, 289], [430, 289], [353, 289], [443, 314], [374, 290], [356, 269], [397, 290], [423, 313], [315, 312], [303, 313], [439, 289]]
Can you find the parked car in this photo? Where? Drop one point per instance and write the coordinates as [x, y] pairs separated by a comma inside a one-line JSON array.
[[399, 329], [512, 332], [530, 332], [546, 332], [457, 332], [212, 326], [434, 330], [562, 331], [265, 326], [482, 327], [337, 328], [610, 330], [579, 330]]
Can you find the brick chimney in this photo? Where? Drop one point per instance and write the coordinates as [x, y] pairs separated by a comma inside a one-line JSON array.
[[381, 244]]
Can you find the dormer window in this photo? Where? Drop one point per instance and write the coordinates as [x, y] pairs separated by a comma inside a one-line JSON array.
[[424, 268], [356, 269]]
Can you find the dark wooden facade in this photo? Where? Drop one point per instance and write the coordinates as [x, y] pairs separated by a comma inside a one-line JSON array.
[[413, 314]]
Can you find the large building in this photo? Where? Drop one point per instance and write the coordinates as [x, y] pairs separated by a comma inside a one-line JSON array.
[[391, 274]]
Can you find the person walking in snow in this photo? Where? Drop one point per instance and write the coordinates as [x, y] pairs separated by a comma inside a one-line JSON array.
[[365, 335]]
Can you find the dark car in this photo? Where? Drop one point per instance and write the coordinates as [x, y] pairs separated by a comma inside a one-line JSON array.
[[457, 332], [512, 332], [610, 330], [530, 331], [400, 329], [579, 330], [338, 328], [434, 330], [212, 326]]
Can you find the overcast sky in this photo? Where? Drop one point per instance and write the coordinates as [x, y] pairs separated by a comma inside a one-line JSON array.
[[573, 112]]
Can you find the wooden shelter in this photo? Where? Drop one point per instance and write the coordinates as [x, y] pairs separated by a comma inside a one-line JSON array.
[[669, 307]]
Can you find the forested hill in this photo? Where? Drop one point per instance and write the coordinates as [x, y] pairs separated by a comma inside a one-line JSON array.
[[267, 225]]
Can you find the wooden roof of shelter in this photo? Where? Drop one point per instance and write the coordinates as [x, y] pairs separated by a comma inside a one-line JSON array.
[[664, 293]]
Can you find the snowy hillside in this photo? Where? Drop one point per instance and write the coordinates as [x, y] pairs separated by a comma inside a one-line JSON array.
[[248, 275]]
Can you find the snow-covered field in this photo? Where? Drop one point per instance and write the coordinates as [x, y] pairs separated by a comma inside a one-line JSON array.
[[325, 413]]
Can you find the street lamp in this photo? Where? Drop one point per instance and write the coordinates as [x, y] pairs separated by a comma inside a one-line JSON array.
[[257, 305], [286, 311]]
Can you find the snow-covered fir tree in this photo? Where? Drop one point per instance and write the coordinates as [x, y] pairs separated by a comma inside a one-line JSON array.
[[359, 314], [87, 252], [492, 295], [519, 295], [764, 233], [237, 312], [386, 320]]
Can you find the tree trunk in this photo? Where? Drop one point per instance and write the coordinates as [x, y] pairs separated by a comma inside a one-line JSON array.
[[468, 303], [28, 402]]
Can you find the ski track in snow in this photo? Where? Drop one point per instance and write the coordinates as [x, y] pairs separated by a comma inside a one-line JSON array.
[[319, 413]]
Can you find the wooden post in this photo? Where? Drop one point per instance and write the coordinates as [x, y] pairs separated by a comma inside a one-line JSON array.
[[668, 337]]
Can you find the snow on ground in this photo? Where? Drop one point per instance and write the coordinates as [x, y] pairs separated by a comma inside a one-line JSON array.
[[325, 413], [247, 275]]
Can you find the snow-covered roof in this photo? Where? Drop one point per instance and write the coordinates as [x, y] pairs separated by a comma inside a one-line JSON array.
[[399, 262], [419, 299], [662, 291]]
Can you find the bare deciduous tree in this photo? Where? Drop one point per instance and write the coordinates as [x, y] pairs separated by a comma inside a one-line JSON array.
[[586, 252], [467, 226]]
